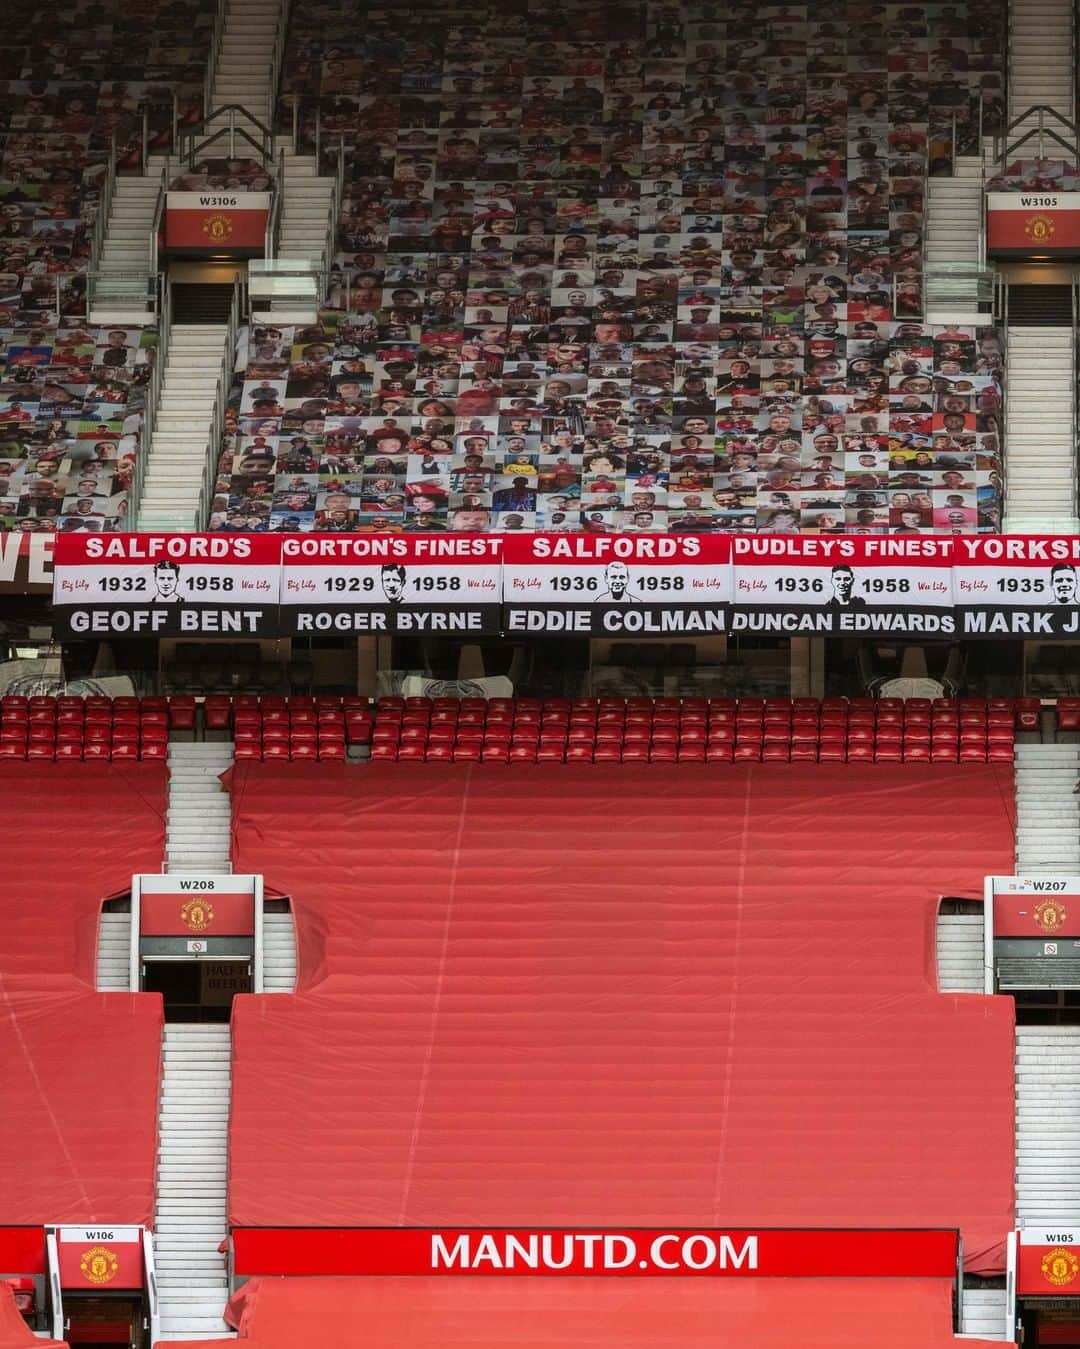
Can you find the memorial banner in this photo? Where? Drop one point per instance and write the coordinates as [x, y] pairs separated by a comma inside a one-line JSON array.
[[445, 583], [843, 587], [608, 585], [166, 585], [1018, 585]]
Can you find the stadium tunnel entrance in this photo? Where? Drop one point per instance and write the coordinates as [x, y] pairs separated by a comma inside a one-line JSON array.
[[103, 1320], [1050, 1322], [197, 990]]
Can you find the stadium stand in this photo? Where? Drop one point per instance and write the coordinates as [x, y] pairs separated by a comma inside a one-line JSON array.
[[629, 286]]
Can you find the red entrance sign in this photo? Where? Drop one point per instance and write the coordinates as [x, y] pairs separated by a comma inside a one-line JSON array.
[[100, 1257], [1034, 223], [597, 1252], [214, 914], [217, 222], [1049, 912], [1048, 1263]]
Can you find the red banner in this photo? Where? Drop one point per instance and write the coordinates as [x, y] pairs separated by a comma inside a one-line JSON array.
[[218, 222], [22, 1250], [104, 1257], [629, 1252]]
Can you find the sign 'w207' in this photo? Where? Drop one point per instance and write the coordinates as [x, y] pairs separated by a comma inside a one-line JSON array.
[[262, 585]]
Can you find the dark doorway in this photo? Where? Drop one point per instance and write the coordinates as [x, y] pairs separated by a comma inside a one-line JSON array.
[[197, 990], [103, 1322], [201, 302]]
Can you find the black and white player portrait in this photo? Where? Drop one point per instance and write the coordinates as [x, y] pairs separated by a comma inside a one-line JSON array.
[[617, 580], [1063, 583], [167, 583], [393, 578], [843, 596]]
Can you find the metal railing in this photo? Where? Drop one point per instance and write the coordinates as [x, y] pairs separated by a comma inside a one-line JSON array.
[[104, 208], [237, 311], [960, 287], [152, 1306], [280, 35], [123, 290], [213, 55], [159, 214], [1004, 149], [174, 125], [273, 216], [150, 406], [234, 124]]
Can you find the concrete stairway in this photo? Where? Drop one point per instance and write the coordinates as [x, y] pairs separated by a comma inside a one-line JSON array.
[[1047, 1124], [960, 953], [952, 222], [1040, 63], [176, 461], [199, 820], [1047, 809], [120, 289], [244, 71], [279, 953], [1040, 465], [189, 1221], [983, 1313], [114, 953]]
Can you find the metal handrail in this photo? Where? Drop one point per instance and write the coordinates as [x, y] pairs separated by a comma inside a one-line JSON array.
[[280, 35], [150, 406], [104, 209], [213, 54], [146, 106], [1002, 147], [1001, 320], [273, 216], [221, 403], [239, 119], [159, 215], [151, 1286]]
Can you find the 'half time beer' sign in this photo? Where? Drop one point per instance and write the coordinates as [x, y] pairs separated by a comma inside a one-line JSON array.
[[216, 222], [1032, 224], [610, 585], [843, 587], [352, 583], [165, 585]]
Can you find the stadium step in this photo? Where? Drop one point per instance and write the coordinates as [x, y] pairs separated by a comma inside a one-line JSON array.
[[960, 953], [279, 953], [189, 1220], [114, 953], [1047, 1123], [1042, 468]]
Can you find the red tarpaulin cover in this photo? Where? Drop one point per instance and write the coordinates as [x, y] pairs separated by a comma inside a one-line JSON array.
[[582, 1314], [78, 1129], [14, 1332], [617, 996]]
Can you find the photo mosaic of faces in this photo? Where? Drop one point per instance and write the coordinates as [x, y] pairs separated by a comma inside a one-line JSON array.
[[71, 412], [66, 90], [649, 269]]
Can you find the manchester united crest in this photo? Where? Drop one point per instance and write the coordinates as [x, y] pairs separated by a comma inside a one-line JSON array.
[[1039, 228], [1049, 915], [197, 914], [217, 228], [99, 1265], [1060, 1266]]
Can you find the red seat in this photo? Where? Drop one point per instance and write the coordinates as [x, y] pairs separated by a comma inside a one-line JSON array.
[[1068, 714], [469, 753], [550, 754], [1028, 714], [888, 753], [716, 752], [973, 753], [748, 751], [611, 753], [916, 753], [861, 751], [804, 752], [384, 749], [1000, 753], [579, 753], [664, 753], [523, 753], [125, 751], [412, 752], [12, 749], [635, 753], [776, 753], [441, 753], [245, 749], [276, 749], [833, 751], [302, 749], [943, 752], [217, 713], [98, 749], [65, 749], [693, 753], [154, 749], [48, 751]]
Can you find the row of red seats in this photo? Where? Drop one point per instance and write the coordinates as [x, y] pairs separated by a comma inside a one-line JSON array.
[[121, 750], [709, 752], [220, 711], [178, 711], [295, 751]]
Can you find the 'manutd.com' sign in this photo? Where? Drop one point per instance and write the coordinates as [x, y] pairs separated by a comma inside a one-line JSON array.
[[659, 1252], [616, 585], [166, 585]]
